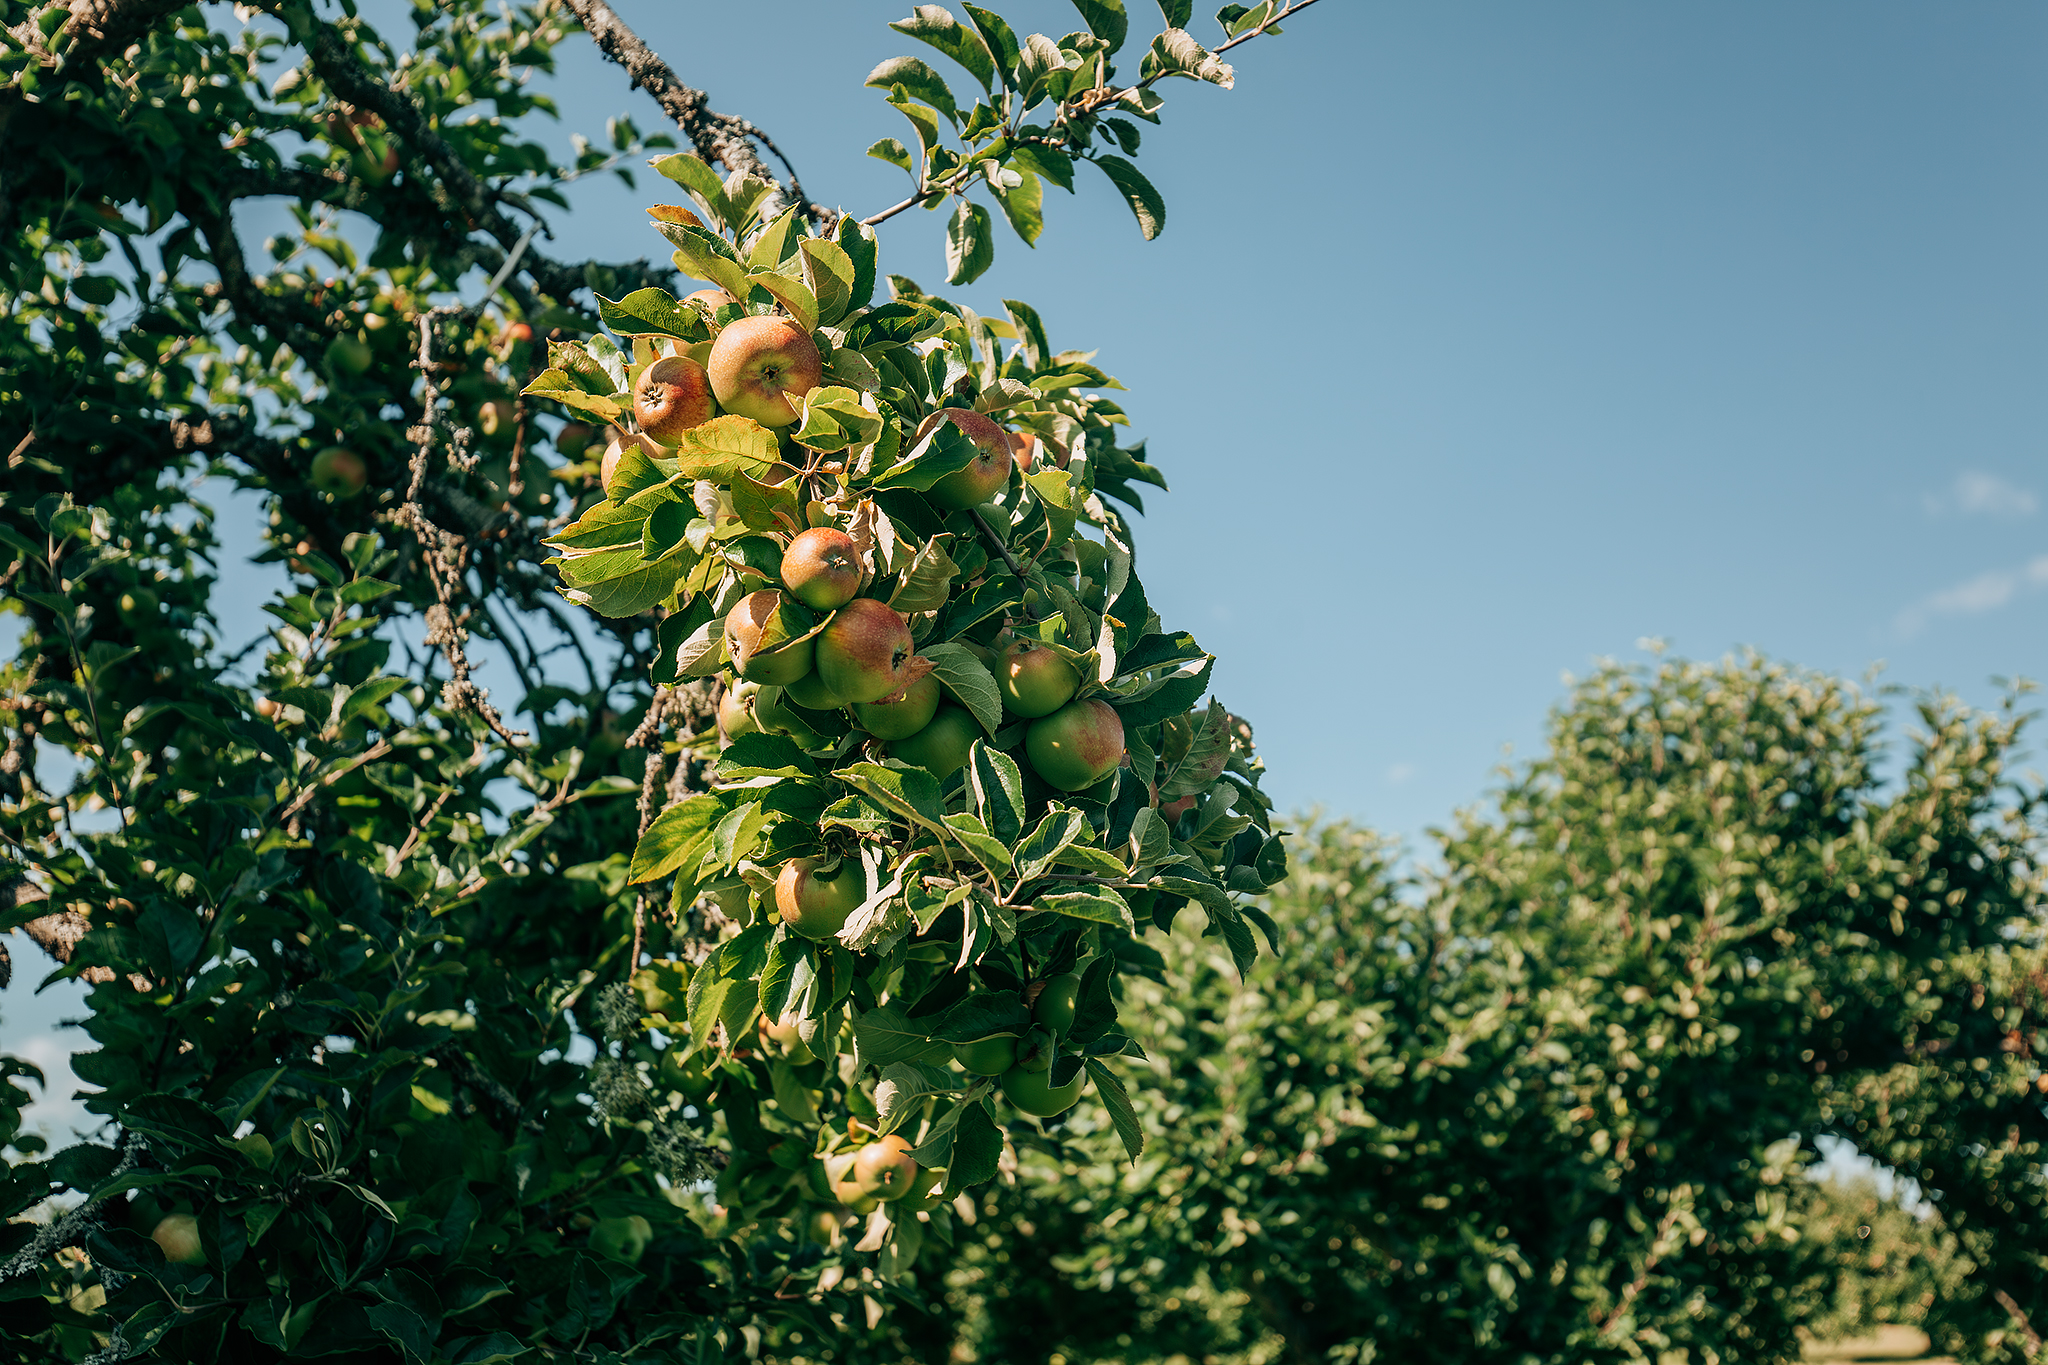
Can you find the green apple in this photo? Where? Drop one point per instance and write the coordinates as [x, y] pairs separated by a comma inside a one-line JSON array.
[[778, 718], [1036, 1051], [350, 353], [782, 1038], [1034, 1093], [810, 691], [942, 747], [736, 712], [757, 364], [622, 1239], [814, 896], [990, 1056], [864, 654], [673, 395], [1057, 999], [1076, 746], [989, 472], [177, 1236], [687, 1074], [822, 568], [1034, 678], [339, 472], [904, 717], [748, 624], [884, 1169]]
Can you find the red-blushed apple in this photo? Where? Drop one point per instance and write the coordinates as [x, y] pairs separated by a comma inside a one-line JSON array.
[[1034, 1093], [822, 568], [339, 472], [865, 653], [673, 395], [758, 364], [884, 1169], [745, 627], [943, 746], [990, 470], [736, 713], [815, 900], [1076, 746], [712, 299], [904, 717], [1034, 678]]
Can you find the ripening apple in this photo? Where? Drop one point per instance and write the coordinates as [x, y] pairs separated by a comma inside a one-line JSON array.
[[942, 747], [745, 626], [673, 395], [712, 299], [884, 1169], [687, 1074], [177, 1236], [339, 472], [573, 438], [778, 718], [821, 568], [758, 363], [1058, 998], [1034, 678], [782, 1038], [1076, 746], [810, 692], [904, 717], [815, 897], [1034, 1093], [990, 1056], [990, 470], [736, 712], [865, 653]]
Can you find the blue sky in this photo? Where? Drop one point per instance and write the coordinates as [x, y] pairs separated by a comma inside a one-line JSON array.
[[1484, 340]]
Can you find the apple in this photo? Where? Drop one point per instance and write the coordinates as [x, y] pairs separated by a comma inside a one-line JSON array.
[[622, 1239], [990, 1056], [814, 900], [1034, 678], [1076, 746], [777, 718], [673, 395], [495, 419], [755, 365], [339, 472], [687, 1074], [1037, 1050], [350, 353], [517, 334], [855, 1199], [810, 691], [822, 568], [712, 299], [1034, 1093], [782, 1038], [864, 654], [573, 438], [902, 718], [1058, 997], [747, 623], [942, 747], [982, 479], [884, 1169], [736, 712], [177, 1236]]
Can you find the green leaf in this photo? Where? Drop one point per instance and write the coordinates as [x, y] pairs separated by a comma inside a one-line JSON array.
[[969, 681], [1117, 1101], [924, 119], [725, 446], [1177, 12], [1102, 906], [560, 386], [1176, 53], [704, 255], [999, 39], [649, 310], [970, 249], [977, 1149], [915, 79], [675, 833], [887, 1035], [829, 272], [1049, 163], [997, 788], [986, 849], [793, 295], [700, 182], [859, 243], [1146, 205], [1106, 20], [931, 24], [1024, 206], [762, 755], [775, 244], [1060, 827], [893, 151], [1030, 332], [984, 1014], [925, 585], [909, 792]]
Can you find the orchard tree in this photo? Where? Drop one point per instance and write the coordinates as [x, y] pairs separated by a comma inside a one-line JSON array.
[[831, 809]]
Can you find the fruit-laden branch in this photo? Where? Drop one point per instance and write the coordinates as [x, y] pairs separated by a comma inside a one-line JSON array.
[[717, 137], [1092, 100]]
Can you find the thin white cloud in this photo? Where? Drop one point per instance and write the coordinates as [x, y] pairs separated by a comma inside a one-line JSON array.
[[1400, 773], [1974, 597], [1975, 493]]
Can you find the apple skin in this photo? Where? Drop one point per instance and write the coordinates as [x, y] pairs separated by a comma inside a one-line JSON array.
[[810, 691], [339, 471], [781, 1038], [712, 299], [901, 719], [815, 906], [986, 476], [941, 748], [864, 654], [756, 363], [177, 1236], [1036, 1051], [573, 438], [1076, 746], [1034, 1093], [1034, 679], [821, 568], [736, 712], [1057, 1000], [990, 1056], [673, 395], [687, 1074], [744, 625], [777, 718], [622, 1239], [884, 1169]]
